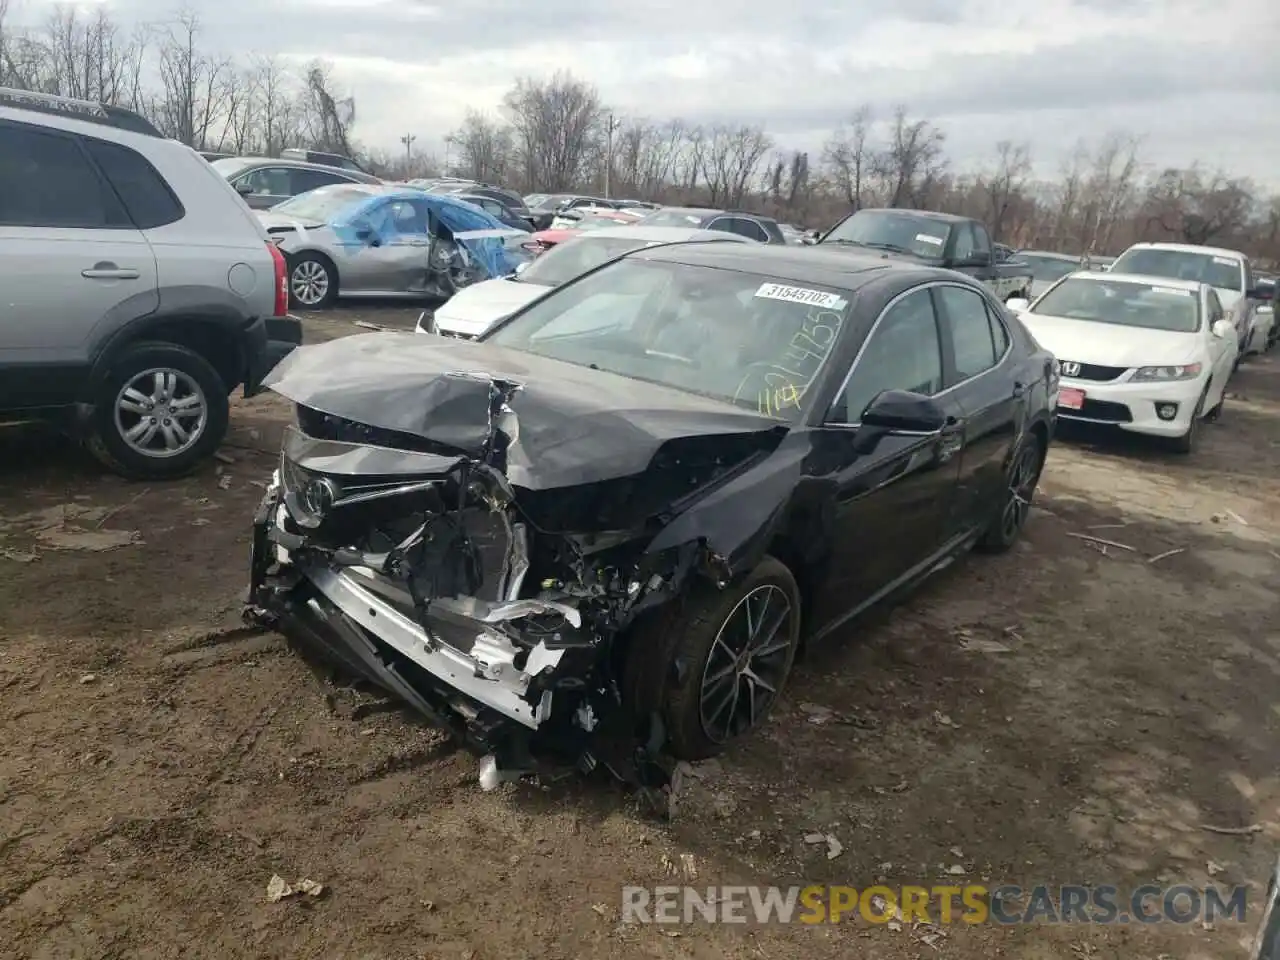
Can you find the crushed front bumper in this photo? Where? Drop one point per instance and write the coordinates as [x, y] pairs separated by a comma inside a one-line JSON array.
[[480, 695]]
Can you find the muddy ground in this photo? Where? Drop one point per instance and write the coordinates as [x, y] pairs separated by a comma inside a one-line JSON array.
[[155, 773]]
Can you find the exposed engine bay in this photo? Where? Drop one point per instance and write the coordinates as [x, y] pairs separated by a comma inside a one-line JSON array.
[[472, 565]]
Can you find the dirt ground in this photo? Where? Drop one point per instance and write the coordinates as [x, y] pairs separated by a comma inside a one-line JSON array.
[[159, 766]]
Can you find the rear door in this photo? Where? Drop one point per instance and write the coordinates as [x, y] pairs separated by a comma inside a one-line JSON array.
[[980, 376], [891, 502], [72, 264]]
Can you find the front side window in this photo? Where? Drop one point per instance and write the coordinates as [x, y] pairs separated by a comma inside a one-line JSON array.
[[903, 353], [304, 180], [267, 182], [1225, 273], [745, 338], [1125, 303]]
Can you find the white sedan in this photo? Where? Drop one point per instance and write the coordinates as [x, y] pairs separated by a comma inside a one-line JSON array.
[[1144, 354]]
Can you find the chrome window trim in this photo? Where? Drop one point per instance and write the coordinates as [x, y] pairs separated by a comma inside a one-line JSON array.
[[928, 285]]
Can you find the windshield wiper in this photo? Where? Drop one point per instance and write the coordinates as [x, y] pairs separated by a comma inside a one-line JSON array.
[[891, 247]]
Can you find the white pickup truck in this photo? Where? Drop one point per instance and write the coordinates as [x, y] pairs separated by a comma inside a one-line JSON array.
[[1228, 272]]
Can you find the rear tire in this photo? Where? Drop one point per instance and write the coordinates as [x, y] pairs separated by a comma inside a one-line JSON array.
[[1021, 479], [187, 397]]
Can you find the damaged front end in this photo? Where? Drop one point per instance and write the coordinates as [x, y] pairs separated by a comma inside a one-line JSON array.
[[417, 564]]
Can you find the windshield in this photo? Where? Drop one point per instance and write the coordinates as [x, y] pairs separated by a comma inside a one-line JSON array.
[[1048, 268], [1225, 273], [744, 338], [534, 199], [551, 201], [1124, 303], [573, 259], [230, 166], [674, 218], [322, 203], [896, 230]]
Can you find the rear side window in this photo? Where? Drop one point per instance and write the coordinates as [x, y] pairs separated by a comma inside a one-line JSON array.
[[47, 181], [965, 313], [146, 196], [304, 180]]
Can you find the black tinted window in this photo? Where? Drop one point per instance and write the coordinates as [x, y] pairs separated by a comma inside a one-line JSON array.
[[304, 180], [904, 353], [999, 335], [146, 196], [749, 229], [47, 181], [966, 316]]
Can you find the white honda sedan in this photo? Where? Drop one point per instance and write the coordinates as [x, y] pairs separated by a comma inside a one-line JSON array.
[[1144, 354]]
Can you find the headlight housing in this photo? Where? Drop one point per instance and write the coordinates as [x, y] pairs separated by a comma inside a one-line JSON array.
[[1186, 371]]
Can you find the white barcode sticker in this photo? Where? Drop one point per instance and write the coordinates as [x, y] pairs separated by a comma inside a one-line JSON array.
[[926, 238], [1226, 261], [1173, 291], [812, 298]]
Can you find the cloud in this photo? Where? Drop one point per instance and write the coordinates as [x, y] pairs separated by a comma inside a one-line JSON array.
[[1187, 75]]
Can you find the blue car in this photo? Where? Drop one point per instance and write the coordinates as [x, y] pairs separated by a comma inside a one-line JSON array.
[[378, 240]]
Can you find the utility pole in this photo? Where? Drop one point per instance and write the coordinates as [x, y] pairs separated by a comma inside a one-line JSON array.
[[610, 128], [407, 140]]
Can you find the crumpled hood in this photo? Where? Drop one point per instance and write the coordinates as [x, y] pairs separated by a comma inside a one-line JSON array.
[[575, 424], [474, 309], [1110, 345]]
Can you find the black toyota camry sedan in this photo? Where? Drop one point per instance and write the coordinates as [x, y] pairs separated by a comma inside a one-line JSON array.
[[601, 532]]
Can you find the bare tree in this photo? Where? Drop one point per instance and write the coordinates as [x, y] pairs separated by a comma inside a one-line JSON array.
[[1005, 183], [732, 161], [278, 115], [1194, 207], [327, 118], [1110, 189], [484, 147], [848, 158], [913, 159], [555, 124], [191, 83]]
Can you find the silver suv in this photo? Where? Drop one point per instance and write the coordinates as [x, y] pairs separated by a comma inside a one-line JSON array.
[[137, 291]]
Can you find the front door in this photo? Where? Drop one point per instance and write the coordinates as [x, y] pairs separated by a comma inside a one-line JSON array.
[[891, 500]]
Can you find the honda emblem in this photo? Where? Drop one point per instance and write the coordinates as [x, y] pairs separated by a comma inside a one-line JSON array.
[[1071, 369]]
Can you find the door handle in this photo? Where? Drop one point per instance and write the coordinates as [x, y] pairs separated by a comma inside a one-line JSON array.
[[1019, 389], [109, 271]]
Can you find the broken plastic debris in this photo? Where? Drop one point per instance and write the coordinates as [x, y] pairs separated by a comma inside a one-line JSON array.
[[834, 847], [817, 714], [942, 719], [89, 678], [1213, 868], [278, 888], [814, 837], [956, 870]]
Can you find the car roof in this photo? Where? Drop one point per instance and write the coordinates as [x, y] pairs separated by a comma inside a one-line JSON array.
[[662, 234], [1191, 285], [844, 269], [252, 162], [1188, 248], [1052, 255]]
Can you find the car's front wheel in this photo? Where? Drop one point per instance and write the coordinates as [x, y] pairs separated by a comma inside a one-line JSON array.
[[730, 653], [159, 412], [313, 283]]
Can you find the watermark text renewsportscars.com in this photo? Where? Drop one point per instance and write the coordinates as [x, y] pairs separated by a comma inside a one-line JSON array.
[[970, 904]]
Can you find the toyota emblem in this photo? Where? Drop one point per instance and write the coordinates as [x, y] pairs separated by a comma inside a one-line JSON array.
[[320, 495], [1071, 369]]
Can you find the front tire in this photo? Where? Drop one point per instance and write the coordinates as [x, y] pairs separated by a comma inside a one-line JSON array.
[[313, 283], [724, 658], [1186, 443], [160, 411], [1021, 478]]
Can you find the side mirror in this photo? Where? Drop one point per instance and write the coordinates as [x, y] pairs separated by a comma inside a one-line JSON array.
[[244, 189], [1017, 304], [900, 411], [522, 267], [1224, 330], [809, 240]]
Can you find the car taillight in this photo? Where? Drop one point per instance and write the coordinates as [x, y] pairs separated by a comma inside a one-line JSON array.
[[282, 281]]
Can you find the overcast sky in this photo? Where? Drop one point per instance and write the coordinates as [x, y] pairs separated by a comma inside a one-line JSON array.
[[1198, 79]]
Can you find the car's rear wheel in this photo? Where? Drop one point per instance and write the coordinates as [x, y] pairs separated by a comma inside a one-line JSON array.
[[313, 283], [1021, 479], [159, 412], [722, 659]]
